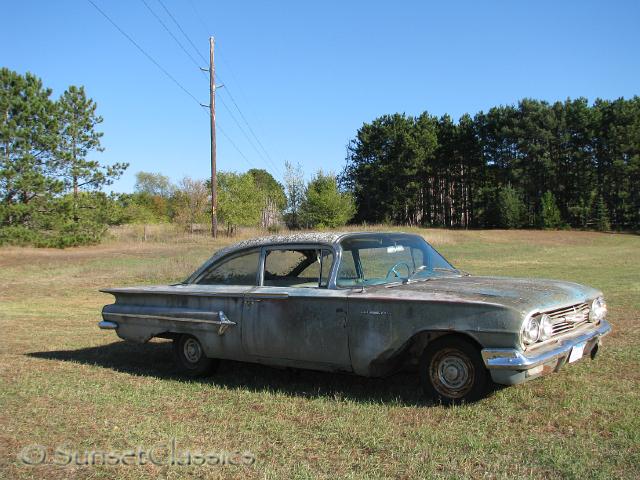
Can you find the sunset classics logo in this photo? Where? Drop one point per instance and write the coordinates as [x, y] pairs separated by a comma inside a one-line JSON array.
[[162, 454]]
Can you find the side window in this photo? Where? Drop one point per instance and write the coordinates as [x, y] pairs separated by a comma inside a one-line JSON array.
[[240, 270], [326, 260], [320, 270], [297, 268], [347, 274]]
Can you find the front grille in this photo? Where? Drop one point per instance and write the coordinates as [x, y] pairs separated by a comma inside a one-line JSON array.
[[569, 318]]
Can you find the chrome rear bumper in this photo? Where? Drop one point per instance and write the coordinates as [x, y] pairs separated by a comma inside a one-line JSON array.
[[107, 325]]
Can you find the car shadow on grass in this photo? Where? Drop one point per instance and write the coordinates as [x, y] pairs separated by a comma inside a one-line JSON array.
[[155, 359]]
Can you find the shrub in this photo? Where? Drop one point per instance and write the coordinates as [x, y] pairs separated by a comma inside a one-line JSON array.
[[601, 215], [324, 205], [511, 209], [551, 217]]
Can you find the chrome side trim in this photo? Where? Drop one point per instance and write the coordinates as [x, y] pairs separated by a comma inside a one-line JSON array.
[[223, 321], [271, 296], [107, 325], [513, 359], [143, 291], [160, 317]]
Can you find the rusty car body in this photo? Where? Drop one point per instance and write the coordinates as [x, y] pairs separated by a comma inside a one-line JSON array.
[[367, 303]]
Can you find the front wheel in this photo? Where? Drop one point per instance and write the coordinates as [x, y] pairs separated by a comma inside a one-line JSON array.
[[452, 371], [191, 358]]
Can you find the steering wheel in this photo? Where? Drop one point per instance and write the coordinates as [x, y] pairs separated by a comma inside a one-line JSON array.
[[395, 272]]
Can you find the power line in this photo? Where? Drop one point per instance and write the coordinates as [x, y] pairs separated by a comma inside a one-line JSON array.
[[164, 25], [183, 32], [235, 146], [168, 30], [142, 50], [227, 90], [205, 29], [163, 70], [226, 107], [251, 129], [197, 65], [268, 158]]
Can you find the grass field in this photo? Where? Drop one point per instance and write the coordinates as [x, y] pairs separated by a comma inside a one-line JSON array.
[[66, 384]]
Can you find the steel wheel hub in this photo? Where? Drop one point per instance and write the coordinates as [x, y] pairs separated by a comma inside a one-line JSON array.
[[451, 373], [192, 350]]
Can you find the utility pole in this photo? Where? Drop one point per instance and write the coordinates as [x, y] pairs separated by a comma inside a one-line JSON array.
[[212, 111]]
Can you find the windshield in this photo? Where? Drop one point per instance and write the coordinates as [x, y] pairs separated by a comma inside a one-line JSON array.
[[389, 258]]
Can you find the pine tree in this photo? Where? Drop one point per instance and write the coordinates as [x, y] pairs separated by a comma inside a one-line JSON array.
[[43, 150], [78, 138], [28, 137], [510, 207], [601, 215], [550, 212]]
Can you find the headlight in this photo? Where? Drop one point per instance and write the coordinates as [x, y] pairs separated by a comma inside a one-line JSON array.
[[546, 327], [598, 310], [531, 331]]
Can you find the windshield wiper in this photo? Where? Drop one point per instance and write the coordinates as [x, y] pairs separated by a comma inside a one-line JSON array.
[[454, 270], [411, 278], [437, 269]]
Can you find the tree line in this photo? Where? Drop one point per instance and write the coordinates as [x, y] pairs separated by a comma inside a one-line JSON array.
[[51, 191], [535, 164], [250, 199]]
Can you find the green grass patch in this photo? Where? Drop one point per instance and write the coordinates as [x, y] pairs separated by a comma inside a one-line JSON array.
[[64, 382]]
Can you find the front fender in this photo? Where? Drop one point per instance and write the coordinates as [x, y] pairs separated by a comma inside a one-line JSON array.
[[381, 329]]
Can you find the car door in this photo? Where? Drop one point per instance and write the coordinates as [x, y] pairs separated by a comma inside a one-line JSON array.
[[221, 288], [292, 317]]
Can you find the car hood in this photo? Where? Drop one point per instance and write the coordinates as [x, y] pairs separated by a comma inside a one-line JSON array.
[[522, 294]]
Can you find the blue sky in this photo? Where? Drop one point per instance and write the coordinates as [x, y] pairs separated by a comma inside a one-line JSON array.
[[306, 75]]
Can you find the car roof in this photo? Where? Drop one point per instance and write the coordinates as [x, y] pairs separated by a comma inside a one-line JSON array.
[[326, 238], [329, 238]]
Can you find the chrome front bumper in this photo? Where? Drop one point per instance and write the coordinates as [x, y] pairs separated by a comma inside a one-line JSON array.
[[509, 366]]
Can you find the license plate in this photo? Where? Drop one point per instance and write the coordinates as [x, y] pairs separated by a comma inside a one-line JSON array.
[[576, 352]]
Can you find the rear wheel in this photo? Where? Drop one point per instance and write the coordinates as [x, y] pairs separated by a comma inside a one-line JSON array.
[[452, 371], [191, 358]]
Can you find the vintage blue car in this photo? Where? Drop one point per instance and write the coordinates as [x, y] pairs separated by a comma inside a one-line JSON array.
[[367, 303]]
